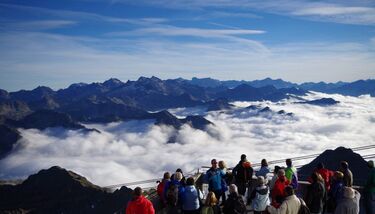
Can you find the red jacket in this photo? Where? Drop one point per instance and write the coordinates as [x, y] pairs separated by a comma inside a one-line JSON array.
[[140, 205], [278, 190], [326, 174]]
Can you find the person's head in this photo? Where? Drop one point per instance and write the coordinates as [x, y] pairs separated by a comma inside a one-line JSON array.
[[211, 199], [178, 176], [233, 189], [288, 162], [338, 175], [289, 191], [276, 170], [261, 181], [243, 157], [214, 163], [190, 181], [179, 170], [370, 164], [264, 163], [166, 176], [281, 173], [137, 192], [320, 166], [222, 165], [316, 177], [348, 192], [344, 165]]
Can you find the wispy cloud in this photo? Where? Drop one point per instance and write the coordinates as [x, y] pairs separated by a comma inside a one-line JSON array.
[[347, 12], [196, 32], [35, 25], [79, 15]]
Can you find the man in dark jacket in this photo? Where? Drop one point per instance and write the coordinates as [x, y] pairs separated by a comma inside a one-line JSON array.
[[315, 195], [234, 204], [369, 189], [243, 173]]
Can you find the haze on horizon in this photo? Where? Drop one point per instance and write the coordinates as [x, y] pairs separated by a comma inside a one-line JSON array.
[[56, 43]]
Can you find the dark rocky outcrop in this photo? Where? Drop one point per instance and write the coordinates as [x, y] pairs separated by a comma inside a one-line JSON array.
[[321, 102], [57, 190], [332, 158], [43, 119], [9, 137], [218, 104]]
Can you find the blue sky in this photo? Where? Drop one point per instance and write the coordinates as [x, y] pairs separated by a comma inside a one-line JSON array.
[[56, 43]]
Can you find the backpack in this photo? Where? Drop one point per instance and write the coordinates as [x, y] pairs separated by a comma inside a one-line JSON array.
[[303, 209], [172, 194], [239, 206]]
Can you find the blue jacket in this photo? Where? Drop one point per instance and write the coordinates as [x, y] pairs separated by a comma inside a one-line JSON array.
[[213, 178], [190, 198], [177, 183], [263, 171]]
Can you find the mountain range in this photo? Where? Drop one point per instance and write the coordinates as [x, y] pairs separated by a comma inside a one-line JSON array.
[[145, 98]]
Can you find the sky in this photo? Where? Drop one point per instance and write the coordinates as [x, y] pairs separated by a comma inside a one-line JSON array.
[[131, 151], [57, 43]]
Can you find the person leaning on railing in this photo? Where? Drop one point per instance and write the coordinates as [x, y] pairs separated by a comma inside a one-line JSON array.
[[369, 191]]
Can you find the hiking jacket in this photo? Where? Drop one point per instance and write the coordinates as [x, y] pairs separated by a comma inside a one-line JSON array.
[[289, 171], [260, 198], [263, 171], [190, 198], [214, 178], [140, 205], [315, 197], [290, 205], [326, 175], [242, 174], [278, 190]]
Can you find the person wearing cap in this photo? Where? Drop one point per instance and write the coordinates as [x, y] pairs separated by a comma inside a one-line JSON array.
[[369, 190], [348, 175], [139, 204], [243, 173], [349, 203], [260, 196], [214, 177]]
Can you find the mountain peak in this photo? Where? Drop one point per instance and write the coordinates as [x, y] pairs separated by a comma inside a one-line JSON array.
[[113, 82]]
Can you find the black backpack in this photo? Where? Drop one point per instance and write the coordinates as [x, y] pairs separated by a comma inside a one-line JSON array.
[[303, 209], [172, 194], [239, 206]]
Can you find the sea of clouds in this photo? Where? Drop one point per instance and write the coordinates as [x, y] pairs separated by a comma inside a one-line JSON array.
[[136, 150]]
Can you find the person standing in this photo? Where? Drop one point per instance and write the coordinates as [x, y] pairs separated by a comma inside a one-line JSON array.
[[191, 197], [214, 177], [348, 175], [260, 196], [139, 204], [315, 194], [264, 169], [243, 173], [291, 173], [350, 202], [278, 193], [234, 203], [369, 191]]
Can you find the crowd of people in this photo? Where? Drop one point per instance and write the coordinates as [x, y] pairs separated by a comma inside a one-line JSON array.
[[268, 191]]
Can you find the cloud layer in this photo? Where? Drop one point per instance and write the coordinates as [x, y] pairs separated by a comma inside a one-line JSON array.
[[137, 150]]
